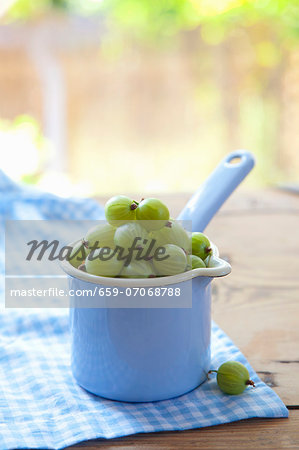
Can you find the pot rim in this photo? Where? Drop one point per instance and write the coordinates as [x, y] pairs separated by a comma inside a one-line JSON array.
[[220, 268]]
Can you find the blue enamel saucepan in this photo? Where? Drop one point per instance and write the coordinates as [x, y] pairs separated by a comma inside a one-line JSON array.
[[151, 351]]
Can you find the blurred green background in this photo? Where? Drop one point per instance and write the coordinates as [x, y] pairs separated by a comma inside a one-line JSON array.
[[119, 96]]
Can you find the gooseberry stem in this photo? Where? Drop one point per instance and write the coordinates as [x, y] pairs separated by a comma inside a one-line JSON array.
[[250, 383], [210, 371]]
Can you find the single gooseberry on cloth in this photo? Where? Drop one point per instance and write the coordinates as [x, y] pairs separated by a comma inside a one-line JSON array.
[[233, 377]]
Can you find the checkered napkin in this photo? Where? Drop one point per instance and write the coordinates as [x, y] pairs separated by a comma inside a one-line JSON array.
[[41, 406]]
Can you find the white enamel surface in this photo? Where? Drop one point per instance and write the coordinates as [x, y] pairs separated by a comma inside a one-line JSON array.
[[218, 268]]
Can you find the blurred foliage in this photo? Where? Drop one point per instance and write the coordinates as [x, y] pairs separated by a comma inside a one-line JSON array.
[[266, 31], [23, 148], [216, 17], [152, 19]]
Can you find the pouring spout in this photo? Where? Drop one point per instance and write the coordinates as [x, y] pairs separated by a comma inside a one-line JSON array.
[[211, 195]]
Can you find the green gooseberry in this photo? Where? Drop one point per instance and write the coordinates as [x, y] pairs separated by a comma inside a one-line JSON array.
[[189, 262], [233, 377], [153, 213], [173, 233], [138, 269], [201, 246], [197, 262], [100, 236], [77, 255], [103, 262], [174, 261], [120, 209], [126, 234]]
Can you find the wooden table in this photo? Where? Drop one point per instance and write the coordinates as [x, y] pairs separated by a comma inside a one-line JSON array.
[[258, 307]]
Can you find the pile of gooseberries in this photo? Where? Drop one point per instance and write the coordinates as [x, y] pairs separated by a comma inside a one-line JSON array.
[[139, 240]]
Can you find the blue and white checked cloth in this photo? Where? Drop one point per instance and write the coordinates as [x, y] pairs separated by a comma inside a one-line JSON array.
[[41, 406]]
